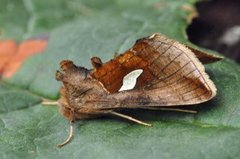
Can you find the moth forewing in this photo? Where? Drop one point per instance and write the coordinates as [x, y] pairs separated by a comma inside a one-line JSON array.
[[205, 80]]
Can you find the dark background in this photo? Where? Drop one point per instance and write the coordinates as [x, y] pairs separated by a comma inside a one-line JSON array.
[[218, 27]]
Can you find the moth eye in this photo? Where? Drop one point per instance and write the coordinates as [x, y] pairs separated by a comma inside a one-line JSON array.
[[130, 80]]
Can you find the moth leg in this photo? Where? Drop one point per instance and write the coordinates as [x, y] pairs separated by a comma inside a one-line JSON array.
[[130, 118], [69, 136]]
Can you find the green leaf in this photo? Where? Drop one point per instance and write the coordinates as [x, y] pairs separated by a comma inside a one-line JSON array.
[[31, 130], [25, 18]]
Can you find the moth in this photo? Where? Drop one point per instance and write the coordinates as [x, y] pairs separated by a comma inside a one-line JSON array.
[[156, 73]]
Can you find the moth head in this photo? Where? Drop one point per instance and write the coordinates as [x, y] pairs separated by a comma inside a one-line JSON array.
[[70, 73], [67, 110], [76, 85], [71, 106]]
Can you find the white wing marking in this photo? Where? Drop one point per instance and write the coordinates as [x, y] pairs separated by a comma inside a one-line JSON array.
[[130, 80]]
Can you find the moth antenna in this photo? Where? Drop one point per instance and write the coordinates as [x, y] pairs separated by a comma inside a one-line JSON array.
[[179, 110], [172, 109], [48, 102], [130, 118], [69, 136]]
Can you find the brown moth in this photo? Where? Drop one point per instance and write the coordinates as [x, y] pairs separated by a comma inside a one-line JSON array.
[[157, 72]]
